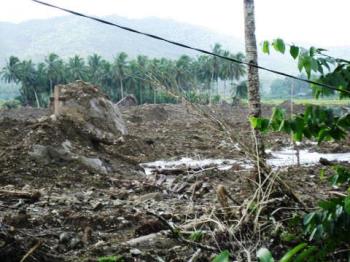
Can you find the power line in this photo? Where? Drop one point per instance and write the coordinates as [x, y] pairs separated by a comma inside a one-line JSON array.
[[190, 47]]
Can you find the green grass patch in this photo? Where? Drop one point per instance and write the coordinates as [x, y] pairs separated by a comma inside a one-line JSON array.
[[303, 101]]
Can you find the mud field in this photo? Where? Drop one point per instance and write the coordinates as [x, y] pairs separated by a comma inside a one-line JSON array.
[[102, 202]]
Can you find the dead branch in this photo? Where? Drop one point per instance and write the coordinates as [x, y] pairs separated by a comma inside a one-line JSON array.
[[177, 234], [34, 196]]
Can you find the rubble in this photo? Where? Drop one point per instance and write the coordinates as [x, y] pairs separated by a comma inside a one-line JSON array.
[[82, 194]]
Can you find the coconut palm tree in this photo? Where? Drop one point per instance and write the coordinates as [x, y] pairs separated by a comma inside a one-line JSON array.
[[76, 68], [120, 67], [253, 74], [54, 70], [10, 73], [27, 77], [94, 68]]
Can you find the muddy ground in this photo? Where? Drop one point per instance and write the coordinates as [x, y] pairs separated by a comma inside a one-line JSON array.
[[73, 212]]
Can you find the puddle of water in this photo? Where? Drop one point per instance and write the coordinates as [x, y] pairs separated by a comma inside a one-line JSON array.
[[190, 164], [281, 158], [287, 157]]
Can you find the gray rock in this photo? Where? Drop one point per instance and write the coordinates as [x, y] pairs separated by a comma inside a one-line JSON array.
[[75, 243], [135, 252], [64, 237], [92, 113]]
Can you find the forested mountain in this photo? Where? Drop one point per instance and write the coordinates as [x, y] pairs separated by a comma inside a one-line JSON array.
[[68, 36]]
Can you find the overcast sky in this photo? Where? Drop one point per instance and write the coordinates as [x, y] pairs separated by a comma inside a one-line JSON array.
[[318, 22]]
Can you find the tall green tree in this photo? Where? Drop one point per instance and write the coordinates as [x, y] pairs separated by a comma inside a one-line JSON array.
[[120, 70], [54, 70], [76, 68], [10, 73], [94, 68]]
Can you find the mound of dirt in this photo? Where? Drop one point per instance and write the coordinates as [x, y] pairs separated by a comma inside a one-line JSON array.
[[27, 114], [69, 142]]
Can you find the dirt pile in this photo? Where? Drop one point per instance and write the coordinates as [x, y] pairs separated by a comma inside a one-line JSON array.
[[70, 141]]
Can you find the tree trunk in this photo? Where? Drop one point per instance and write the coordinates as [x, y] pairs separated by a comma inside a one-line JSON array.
[[253, 74], [50, 87], [121, 88], [36, 98]]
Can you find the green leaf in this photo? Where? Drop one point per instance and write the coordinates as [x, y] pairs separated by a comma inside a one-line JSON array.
[[111, 259], [305, 255], [279, 45], [308, 218], [222, 257], [264, 255], [254, 121], [196, 236], [294, 51], [266, 47], [288, 256], [347, 204]]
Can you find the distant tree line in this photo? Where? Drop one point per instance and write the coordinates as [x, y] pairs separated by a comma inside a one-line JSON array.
[[148, 79], [288, 87]]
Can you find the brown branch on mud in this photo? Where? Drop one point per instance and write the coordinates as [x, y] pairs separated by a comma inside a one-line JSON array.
[[147, 238], [177, 234], [195, 255], [32, 250], [223, 197], [34, 196]]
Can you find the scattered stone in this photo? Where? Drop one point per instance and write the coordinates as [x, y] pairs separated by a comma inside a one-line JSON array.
[[75, 243], [135, 252], [64, 237], [156, 196]]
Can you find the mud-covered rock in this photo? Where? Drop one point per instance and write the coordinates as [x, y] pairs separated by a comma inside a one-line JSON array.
[[127, 101], [88, 109]]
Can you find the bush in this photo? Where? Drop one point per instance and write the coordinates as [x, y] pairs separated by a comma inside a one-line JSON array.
[[11, 104]]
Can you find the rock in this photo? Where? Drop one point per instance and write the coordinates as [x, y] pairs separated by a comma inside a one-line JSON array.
[[91, 113], [155, 196], [87, 236], [325, 162], [97, 206], [135, 252], [127, 101], [21, 219], [93, 163], [75, 243], [64, 238], [62, 154]]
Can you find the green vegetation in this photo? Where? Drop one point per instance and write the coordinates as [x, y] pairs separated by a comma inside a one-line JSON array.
[[111, 259], [307, 101], [149, 80], [326, 230], [287, 87]]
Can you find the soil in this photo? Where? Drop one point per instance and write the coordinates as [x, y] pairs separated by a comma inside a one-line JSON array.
[[83, 214]]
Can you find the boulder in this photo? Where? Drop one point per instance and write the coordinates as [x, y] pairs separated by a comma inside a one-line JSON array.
[[84, 106]]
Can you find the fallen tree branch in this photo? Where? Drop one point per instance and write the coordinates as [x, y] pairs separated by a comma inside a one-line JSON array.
[[177, 234], [34, 196], [32, 250]]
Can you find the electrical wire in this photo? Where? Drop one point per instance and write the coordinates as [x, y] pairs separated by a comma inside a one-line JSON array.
[[191, 48]]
